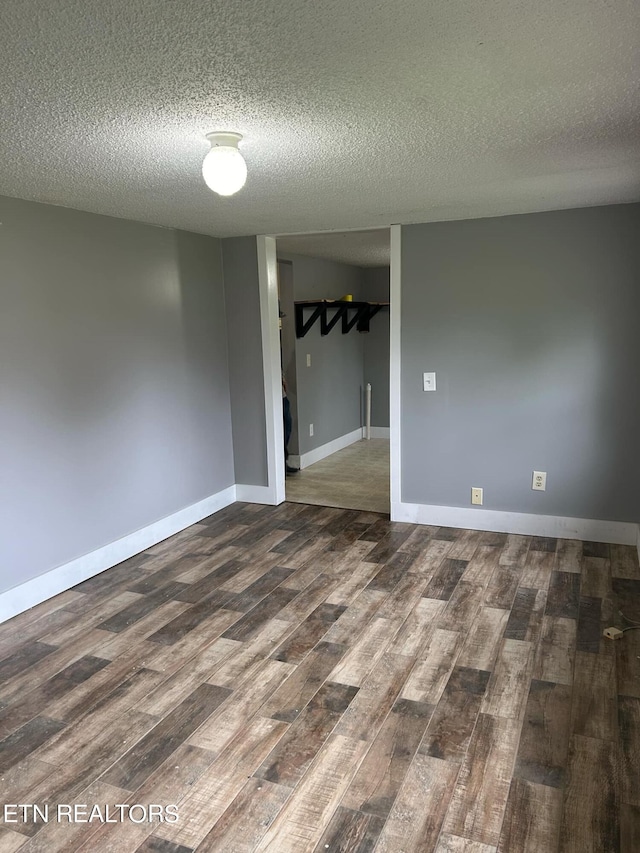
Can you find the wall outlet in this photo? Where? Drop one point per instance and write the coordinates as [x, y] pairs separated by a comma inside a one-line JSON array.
[[539, 481], [476, 496], [308, 359], [310, 429]]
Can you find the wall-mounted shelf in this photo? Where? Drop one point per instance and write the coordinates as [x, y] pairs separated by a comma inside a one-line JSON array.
[[331, 311]]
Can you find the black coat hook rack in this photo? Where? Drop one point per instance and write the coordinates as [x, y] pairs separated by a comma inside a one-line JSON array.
[[330, 312]]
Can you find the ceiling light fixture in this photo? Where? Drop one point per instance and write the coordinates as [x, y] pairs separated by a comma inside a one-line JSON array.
[[223, 169]]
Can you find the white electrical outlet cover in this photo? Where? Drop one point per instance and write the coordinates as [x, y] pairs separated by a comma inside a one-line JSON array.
[[539, 481], [476, 496]]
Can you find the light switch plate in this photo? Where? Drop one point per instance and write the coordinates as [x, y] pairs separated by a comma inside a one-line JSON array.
[[429, 381]]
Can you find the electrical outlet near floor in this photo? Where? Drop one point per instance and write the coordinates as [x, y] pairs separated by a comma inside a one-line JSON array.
[[310, 429], [476, 496], [539, 481]]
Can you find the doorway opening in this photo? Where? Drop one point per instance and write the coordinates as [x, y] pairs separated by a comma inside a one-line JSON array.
[[334, 323]]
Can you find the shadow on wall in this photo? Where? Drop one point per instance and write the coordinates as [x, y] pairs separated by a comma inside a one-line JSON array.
[[206, 375]]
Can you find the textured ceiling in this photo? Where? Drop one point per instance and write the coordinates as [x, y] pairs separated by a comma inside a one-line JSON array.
[[359, 248], [355, 114]]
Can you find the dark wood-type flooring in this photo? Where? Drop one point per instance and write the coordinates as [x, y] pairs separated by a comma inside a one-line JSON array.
[[301, 678]]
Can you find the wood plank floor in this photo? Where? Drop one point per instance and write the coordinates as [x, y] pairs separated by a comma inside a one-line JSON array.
[[300, 678], [356, 477]]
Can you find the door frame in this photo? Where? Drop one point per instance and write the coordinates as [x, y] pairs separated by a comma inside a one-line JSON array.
[[272, 367], [395, 371]]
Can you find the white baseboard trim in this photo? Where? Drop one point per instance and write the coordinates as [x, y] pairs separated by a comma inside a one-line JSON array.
[[590, 530], [327, 449], [377, 432], [45, 586], [256, 494]]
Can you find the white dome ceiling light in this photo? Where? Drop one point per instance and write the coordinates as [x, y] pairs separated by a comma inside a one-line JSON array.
[[224, 169]]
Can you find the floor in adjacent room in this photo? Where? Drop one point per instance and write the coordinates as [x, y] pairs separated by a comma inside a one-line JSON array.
[[298, 678], [356, 477]]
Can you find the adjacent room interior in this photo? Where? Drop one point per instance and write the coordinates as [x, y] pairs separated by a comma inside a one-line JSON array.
[[196, 654], [334, 333]]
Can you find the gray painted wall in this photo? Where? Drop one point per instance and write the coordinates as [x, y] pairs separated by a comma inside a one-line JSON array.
[[114, 391], [531, 323], [288, 345], [246, 378], [329, 393], [376, 345]]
